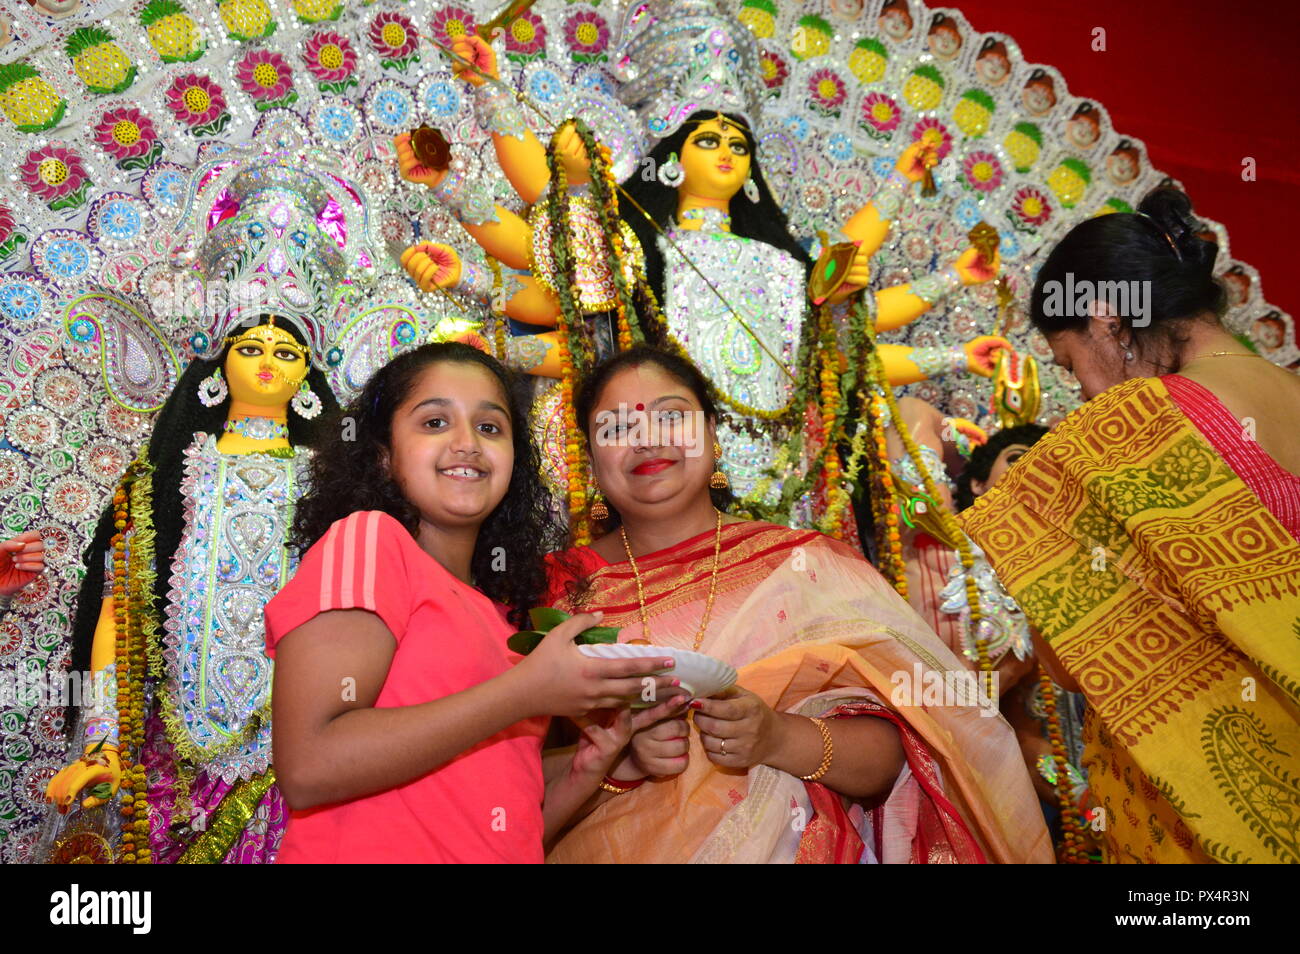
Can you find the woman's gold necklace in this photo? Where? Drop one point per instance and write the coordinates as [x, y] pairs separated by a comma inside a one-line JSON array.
[[713, 585]]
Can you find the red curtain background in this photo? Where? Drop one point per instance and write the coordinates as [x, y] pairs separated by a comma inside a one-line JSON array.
[[1204, 85]]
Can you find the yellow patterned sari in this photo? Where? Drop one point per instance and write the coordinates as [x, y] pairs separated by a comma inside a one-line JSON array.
[[812, 628], [1172, 596]]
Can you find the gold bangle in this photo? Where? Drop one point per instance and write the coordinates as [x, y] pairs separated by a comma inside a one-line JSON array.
[[828, 752], [615, 790]]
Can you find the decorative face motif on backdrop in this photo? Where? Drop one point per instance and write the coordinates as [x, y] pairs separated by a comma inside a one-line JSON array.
[[265, 366], [993, 65], [944, 38], [1269, 331], [1238, 284], [715, 159], [895, 21], [1122, 165], [1039, 94], [1084, 127]]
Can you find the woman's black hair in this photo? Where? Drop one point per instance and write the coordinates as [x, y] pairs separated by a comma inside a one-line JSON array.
[[673, 365], [1157, 245], [984, 456], [180, 418], [762, 220], [351, 473]]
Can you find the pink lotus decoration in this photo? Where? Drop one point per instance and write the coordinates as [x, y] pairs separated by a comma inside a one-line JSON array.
[[332, 60], [199, 103], [56, 176], [265, 76], [880, 115], [932, 131], [452, 22], [587, 35], [827, 90], [9, 239], [773, 69], [525, 37], [394, 38], [1030, 208], [128, 135], [982, 171]]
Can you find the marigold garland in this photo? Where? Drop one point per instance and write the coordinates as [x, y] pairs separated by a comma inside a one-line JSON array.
[[1072, 824]]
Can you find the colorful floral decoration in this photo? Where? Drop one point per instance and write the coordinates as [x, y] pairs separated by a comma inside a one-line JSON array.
[[587, 36], [332, 60], [451, 22], [338, 121], [880, 116], [394, 37], [64, 256], [317, 11], [99, 61], [128, 136], [826, 92], [973, 113], [1070, 181], [1030, 209], [266, 77], [56, 176], [246, 19], [981, 171], [29, 102], [390, 106], [117, 219], [172, 32], [10, 236], [869, 60], [198, 103], [772, 67], [525, 38], [934, 132]]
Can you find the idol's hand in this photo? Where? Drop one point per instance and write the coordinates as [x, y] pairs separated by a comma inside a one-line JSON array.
[[87, 772], [410, 168], [982, 354], [432, 265], [737, 728], [558, 679], [22, 559], [976, 270], [856, 278], [472, 47], [916, 158], [573, 155], [660, 750]]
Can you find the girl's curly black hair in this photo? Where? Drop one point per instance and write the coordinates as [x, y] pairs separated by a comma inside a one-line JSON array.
[[181, 417], [350, 473]]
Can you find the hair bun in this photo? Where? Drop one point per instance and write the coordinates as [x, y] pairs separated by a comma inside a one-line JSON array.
[[1171, 210]]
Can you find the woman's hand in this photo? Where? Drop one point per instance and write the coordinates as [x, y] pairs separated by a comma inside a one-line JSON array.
[[410, 168], [737, 728], [974, 269], [561, 680], [982, 354], [603, 746], [87, 772], [432, 265], [22, 560], [916, 158], [471, 47]]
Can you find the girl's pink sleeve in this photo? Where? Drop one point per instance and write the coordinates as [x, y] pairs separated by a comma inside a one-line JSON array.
[[359, 564]]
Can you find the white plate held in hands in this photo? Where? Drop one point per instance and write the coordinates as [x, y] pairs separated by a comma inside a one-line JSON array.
[[700, 675]]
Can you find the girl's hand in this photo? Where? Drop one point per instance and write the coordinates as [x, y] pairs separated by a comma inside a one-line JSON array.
[[560, 680], [737, 728], [22, 560], [660, 750], [915, 159], [471, 47], [410, 168]]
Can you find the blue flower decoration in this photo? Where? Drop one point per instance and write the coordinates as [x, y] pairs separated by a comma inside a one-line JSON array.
[[82, 331], [405, 332], [391, 107], [199, 342], [545, 86], [67, 258], [442, 100], [1010, 246], [798, 127], [882, 166], [839, 147], [167, 187], [20, 301], [337, 123], [596, 83], [120, 221], [968, 214], [334, 357]]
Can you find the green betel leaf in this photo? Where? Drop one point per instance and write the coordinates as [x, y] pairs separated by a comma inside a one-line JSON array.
[[525, 641], [545, 619], [102, 791], [598, 634], [98, 745]]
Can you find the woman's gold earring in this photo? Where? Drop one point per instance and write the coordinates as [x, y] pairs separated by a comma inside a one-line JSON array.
[[719, 480], [598, 512]]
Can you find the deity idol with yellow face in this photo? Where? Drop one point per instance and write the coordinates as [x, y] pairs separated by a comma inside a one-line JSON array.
[[189, 550]]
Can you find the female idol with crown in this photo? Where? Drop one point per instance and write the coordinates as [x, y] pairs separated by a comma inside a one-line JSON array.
[[192, 547], [733, 282]]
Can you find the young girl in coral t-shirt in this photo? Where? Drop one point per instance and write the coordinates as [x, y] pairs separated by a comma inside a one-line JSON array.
[[404, 729]]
